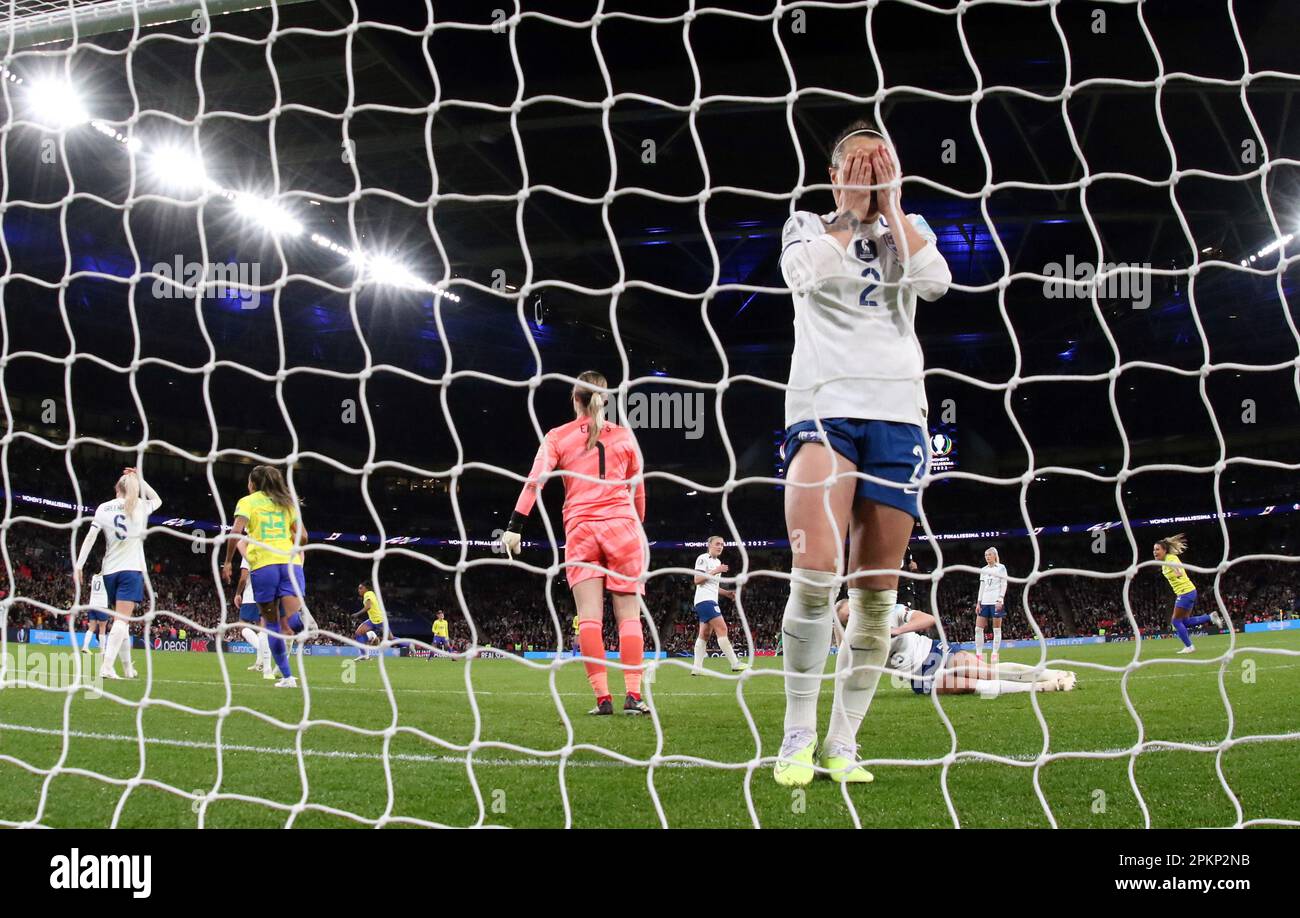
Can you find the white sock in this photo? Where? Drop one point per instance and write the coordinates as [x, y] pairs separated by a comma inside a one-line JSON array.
[[124, 645], [701, 646], [725, 643], [114, 642], [865, 648], [263, 645], [806, 642], [979, 642], [250, 638], [997, 639], [85, 642], [1020, 672], [994, 687]]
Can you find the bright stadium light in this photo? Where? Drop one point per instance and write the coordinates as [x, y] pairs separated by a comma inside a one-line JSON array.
[[178, 167], [54, 102], [269, 215]]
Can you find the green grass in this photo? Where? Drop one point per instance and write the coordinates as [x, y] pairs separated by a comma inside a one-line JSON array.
[[202, 740]]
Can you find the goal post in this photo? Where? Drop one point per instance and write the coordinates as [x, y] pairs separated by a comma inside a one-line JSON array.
[[29, 23]]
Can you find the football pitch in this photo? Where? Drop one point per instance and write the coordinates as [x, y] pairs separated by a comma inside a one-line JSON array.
[[358, 758]]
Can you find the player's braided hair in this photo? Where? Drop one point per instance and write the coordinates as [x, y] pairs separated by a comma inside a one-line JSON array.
[[591, 401]]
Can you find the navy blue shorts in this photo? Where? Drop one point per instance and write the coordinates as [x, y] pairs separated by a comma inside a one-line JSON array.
[[98, 615], [124, 586], [249, 612], [925, 678], [1186, 601], [992, 611], [707, 611], [890, 450], [275, 581]]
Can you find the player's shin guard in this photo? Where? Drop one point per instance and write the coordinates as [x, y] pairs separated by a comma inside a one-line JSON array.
[[806, 639], [250, 638], [631, 652], [593, 646], [112, 644], [701, 647], [124, 648], [725, 643], [278, 651], [979, 642], [997, 638], [858, 664]]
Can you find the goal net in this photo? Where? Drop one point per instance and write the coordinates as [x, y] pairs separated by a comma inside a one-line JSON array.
[[374, 245]]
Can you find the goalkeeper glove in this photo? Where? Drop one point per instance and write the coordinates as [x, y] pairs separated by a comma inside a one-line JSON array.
[[511, 538]]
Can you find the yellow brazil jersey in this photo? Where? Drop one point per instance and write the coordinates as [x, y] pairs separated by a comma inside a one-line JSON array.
[[374, 610], [1176, 576], [270, 529], [575, 624], [440, 628]]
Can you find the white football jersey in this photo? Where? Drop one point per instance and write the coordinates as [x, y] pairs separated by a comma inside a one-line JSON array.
[[248, 584], [993, 584], [708, 590], [850, 322], [98, 593], [123, 538], [907, 652]]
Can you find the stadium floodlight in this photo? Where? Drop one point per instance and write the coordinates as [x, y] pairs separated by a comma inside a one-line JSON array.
[[56, 103], [178, 167], [269, 215]]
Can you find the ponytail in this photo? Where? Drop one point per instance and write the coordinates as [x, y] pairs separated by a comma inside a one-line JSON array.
[[129, 487], [591, 403], [1177, 544]]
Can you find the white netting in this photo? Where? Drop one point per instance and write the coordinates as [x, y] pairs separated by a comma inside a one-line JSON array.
[[325, 222]]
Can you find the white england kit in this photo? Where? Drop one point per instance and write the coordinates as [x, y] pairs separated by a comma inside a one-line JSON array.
[[123, 536], [708, 590], [993, 584], [907, 652], [98, 593], [854, 316]]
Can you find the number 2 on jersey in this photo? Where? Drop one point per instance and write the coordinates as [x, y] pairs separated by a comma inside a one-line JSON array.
[[864, 298]]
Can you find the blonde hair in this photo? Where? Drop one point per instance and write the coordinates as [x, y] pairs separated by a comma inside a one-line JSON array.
[[1177, 544], [592, 402], [128, 487]]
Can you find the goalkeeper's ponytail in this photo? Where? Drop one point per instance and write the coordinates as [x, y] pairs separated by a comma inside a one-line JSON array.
[[589, 402]]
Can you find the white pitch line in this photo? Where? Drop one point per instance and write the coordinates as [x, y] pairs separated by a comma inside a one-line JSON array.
[[522, 762]]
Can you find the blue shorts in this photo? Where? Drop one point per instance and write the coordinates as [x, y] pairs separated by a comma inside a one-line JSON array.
[[124, 586], [440, 643], [890, 450], [98, 615], [1186, 601], [925, 678], [249, 612], [273, 581], [376, 627], [992, 611], [707, 611]]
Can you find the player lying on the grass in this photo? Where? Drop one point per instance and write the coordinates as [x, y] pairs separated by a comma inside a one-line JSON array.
[[268, 514], [370, 631], [97, 616], [855, 407], [990, 602], [603, 512], [708, 571], [918, 656], [1168, 551], [124, 521]]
